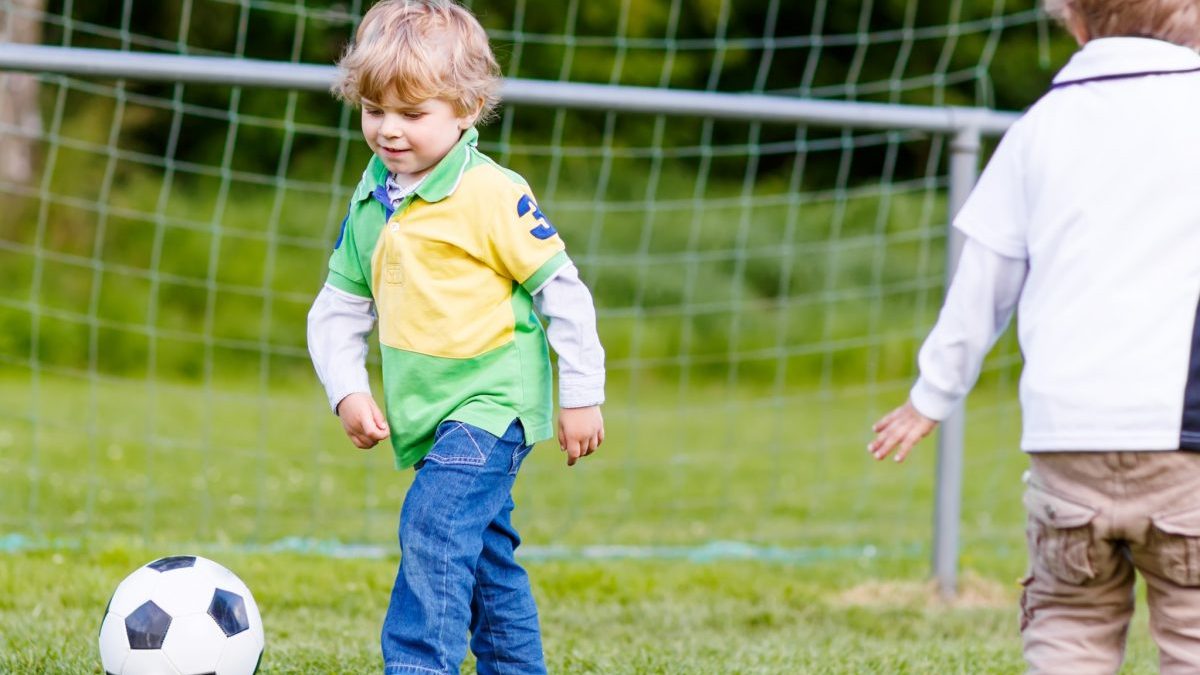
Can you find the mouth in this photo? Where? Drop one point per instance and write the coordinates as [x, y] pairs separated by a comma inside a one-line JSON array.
[[393, 152]]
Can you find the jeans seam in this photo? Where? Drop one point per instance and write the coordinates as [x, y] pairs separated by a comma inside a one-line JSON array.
[[514, 464], [391, 666], [491, 631], [446, 559], [477, 448]]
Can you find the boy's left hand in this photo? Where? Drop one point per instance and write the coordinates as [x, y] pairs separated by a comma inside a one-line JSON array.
[[580, 432], [904, 426]]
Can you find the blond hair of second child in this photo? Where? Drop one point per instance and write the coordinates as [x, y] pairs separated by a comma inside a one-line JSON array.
[[449, 255], [1086, 222]]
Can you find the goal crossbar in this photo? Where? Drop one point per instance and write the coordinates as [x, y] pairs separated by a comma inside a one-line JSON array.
[[517, 91]]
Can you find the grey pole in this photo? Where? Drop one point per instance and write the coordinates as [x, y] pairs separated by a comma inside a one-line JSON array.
[[515, 91], [964, 170]]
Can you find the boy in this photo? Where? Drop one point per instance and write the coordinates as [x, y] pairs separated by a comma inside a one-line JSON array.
[[453, 254], [1087, 220]]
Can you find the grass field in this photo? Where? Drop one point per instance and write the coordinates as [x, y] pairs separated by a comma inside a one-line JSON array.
[[322, 615], [722, 534]]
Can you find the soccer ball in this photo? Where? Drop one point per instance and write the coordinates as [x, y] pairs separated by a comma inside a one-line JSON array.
[[182, 615]]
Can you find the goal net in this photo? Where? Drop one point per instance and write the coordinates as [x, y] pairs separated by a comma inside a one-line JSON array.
[[762, 288]]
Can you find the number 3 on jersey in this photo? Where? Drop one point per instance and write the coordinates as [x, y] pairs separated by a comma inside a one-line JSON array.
[[544, 229]]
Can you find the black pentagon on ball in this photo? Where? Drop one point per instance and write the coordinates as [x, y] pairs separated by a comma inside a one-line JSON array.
[[147, 626], [228, 609], [173, 563]]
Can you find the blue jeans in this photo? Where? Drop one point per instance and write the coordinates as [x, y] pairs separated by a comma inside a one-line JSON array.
[[457, 568]]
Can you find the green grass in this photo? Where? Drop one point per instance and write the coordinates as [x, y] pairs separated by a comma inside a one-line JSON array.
[[100, 476], [322, 615], [238, 462]]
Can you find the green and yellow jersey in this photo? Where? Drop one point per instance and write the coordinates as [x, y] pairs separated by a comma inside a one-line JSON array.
[[452, 271]]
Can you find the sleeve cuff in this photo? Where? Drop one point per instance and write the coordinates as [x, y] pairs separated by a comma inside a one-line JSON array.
[[336, 395], [344, 283], [581, 392], [546, 272], [930, 402]]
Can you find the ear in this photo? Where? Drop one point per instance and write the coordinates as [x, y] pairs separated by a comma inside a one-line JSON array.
[[1076, 25], [467, 121]]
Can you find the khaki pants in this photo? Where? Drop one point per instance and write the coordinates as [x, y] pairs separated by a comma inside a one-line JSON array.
[[1095, 517]]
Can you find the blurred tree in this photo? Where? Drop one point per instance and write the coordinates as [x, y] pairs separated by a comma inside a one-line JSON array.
[[898, 51]]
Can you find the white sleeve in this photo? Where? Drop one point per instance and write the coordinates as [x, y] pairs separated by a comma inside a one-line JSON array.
[[567, 305], [338, 326], [996, 213], [978, 306]]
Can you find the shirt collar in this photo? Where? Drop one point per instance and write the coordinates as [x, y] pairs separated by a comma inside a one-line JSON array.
[[437, 184], [1127, 56], [396, 191]]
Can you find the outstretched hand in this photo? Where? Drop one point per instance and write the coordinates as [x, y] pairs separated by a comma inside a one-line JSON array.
[[580, 432], [902, 427], [362, 420]]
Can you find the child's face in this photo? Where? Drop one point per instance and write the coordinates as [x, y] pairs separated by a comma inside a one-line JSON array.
[[411, 138]]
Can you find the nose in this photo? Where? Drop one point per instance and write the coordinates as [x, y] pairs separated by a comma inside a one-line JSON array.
[[392, 126]]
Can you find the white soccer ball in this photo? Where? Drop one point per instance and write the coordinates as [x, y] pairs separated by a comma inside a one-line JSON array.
[[182, 615]]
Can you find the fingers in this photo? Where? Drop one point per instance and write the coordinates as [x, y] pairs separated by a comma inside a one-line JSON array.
[[882, 445], [365, 430], [906, 445], [362, 442], [381, 430], [886, 421], [904, 436], [588, 445], [574, 450]]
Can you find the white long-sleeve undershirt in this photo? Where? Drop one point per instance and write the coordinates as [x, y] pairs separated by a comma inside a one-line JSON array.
[[978, 306], [566, 303], [339, 323], [338, 326]]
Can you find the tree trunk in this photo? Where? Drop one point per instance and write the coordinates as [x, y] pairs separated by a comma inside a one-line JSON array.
[[20, 118]]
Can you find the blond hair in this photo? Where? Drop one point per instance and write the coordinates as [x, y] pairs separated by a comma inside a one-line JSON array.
[[420, 50], [1176, 21]]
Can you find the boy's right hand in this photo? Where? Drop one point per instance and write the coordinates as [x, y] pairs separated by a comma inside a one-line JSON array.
[[363, 420], [904, 426]]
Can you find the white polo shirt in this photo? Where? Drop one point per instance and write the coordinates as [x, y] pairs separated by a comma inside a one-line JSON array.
[[1088, 218]]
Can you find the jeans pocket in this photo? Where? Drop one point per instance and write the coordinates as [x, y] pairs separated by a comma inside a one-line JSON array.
[[1060, 536], [460, 443], [1175, 540], [519, 454]]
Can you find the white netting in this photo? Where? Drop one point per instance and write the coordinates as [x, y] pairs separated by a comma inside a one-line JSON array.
[[762, 288]]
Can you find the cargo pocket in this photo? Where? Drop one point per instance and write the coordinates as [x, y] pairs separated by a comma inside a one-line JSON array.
[[1026, 608], [1175, 540], [1060, 536]]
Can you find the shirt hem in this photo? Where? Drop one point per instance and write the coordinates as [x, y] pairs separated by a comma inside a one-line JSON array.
[[1034, 443]]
